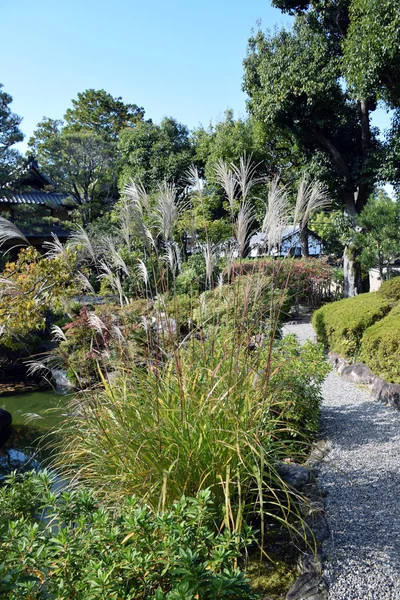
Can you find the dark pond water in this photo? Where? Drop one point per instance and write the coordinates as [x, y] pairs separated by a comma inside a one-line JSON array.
[[34, 416]]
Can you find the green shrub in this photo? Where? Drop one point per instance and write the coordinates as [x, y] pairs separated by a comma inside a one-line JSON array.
[[250, 302], [341, 325], [217, 416], [305, 279], [380, 347], [390, 289], [85, 551]]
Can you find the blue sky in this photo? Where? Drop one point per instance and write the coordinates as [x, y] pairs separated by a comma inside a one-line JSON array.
[[177, 58]]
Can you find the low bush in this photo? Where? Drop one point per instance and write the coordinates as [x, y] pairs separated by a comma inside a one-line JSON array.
[[218, 415], [306, 279], [66, 545], [380, 347], [250, 302], [340, 325], [390, 289]]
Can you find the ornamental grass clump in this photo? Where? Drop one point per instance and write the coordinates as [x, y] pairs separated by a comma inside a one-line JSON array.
[[219, 414]]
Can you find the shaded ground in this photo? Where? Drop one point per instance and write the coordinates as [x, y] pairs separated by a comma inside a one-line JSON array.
[[361, 475]]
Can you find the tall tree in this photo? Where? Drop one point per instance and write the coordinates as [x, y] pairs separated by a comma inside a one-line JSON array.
[[10, 134], [80, 164], [303, 81], [98, 112], [153, 153]]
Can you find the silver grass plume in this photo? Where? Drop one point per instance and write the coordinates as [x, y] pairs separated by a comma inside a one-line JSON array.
[[209, 258], [143, 272], [312, 196], [96, 323], [243, 223], [81, 242], [113, 256], [113, 279], [84, 283], [166, 211], [195, 182], [134, 205], [58, 334], [245, 175], [226, 178], [55, 248], [137, 195], [277, 213], [172, 256], [9, 231]]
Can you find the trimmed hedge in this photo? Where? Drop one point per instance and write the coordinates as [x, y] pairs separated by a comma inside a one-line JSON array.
[[391, 289], [340, 326], [380, 347]]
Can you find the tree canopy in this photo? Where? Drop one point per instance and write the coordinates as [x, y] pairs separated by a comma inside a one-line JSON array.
[[98, 112], [152, 153], [313, 82], [10, 134]]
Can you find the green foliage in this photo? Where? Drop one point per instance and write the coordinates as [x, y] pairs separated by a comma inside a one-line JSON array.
[[31, 286], [192, 279], [380, 344], [303, 279], [217, 414], [390, 289], [335, 228], [10, 134], [372, 50], [78, 162], [98, 112], [380, 238], [85, 551], [340, 326], [152, 153]]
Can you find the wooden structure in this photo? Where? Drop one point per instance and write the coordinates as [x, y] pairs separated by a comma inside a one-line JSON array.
[[34, 205]]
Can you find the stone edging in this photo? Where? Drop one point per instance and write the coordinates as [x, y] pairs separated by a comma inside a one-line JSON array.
[[310, 583], [387, 393]]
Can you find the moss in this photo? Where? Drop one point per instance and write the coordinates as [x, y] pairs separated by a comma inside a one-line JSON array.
[[340, 326], [271, 579], [381, 347], [390, 289]]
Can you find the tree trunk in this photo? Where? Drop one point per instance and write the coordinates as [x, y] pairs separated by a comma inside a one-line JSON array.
[[354, 283], [304, 242], [350, 274]]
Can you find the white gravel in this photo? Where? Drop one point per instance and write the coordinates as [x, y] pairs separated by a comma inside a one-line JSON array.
[[361, 476]]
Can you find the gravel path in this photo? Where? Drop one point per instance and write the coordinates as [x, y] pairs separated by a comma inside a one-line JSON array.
[[361, 475]]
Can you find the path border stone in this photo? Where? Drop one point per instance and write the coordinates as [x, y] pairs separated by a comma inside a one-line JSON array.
[[359, 373]]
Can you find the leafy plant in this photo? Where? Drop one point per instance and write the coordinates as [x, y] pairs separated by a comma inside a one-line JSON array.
[[380, 345], [66, 545], [340, 325]]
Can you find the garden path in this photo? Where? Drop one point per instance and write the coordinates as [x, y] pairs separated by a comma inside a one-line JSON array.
[[361, 476]]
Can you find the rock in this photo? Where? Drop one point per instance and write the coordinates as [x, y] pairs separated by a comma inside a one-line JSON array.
[[388, 393], [61, 381], [294, 475], [309, 586], [5, 426], [357, 373], [5, 418], [164, 325]]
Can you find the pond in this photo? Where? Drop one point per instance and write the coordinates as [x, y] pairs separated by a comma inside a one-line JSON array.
[[34, 416]]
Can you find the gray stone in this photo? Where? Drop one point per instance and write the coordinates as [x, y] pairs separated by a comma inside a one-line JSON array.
[[309, 586], [62, 384], [357, 373], [295, 475], [388, 393]]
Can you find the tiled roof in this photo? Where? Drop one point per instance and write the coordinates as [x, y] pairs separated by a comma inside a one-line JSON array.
[[47, 199]]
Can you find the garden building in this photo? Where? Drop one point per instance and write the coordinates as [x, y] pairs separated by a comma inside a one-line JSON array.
[[34, 205]]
